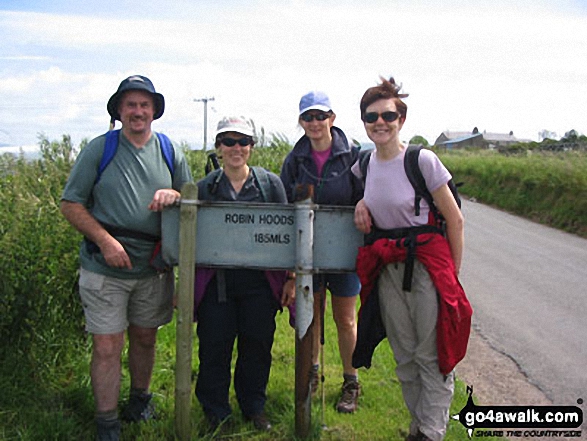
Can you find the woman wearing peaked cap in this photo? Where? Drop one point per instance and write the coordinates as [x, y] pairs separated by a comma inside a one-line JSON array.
[[322, 158], [238, 304]]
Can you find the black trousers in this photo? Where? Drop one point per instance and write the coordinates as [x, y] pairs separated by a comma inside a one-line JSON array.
[[246, 313]]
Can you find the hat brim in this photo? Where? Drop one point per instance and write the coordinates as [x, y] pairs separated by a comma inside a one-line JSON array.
[[316, 107], [158, 101], [240, 130]]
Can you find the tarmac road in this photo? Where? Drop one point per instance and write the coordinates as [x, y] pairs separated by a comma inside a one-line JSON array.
[[528, 287]]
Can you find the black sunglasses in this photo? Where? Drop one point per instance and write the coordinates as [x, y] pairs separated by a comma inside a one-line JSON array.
[[388, 116], [309, 117], [231, 142]]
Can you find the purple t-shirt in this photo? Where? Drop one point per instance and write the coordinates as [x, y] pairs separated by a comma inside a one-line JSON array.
[[389, 196], [320, 158]]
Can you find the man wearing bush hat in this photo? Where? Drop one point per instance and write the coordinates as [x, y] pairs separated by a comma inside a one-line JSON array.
[[116, 206]]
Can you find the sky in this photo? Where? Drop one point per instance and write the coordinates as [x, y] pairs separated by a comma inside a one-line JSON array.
[[496, 65]]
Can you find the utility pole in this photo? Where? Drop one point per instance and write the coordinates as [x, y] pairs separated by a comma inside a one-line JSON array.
[[205, 101]]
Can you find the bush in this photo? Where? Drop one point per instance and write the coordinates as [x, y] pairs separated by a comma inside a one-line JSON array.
[[542, 186], [40, 314]]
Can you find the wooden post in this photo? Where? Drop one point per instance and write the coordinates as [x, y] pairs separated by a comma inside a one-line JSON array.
[[185, 310]]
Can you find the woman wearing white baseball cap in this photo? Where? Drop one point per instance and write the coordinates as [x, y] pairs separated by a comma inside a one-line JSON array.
[[236, 303]]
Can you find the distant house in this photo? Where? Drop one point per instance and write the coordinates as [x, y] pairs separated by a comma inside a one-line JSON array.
[[475, 138]]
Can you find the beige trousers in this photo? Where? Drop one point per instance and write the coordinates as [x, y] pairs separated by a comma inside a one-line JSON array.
[[410, 323]]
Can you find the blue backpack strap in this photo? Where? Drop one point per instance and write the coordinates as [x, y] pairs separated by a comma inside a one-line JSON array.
[[167, 151], [260, 175], [110, 147]]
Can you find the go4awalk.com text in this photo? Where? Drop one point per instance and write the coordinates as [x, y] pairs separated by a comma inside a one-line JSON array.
[[521, 421]]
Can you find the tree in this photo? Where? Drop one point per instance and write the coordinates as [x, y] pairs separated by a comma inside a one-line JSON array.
[[546, 134], [417, 139], [570, 136]]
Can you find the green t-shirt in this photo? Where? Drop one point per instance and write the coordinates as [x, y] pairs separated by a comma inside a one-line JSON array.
[[121, 197]]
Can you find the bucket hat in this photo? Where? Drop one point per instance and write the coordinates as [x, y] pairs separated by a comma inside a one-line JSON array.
[[135, 82]]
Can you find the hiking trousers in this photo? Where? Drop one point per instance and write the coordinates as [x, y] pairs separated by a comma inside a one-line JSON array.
[[246, 313], [410, 323]]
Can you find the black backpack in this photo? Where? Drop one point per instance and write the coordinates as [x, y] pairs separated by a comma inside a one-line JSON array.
[[417, 180]]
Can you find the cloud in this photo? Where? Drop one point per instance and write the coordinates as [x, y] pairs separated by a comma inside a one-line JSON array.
[[494, 65]]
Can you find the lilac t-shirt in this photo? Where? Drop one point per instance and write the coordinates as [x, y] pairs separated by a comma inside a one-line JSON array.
[[320, 158], [389, 196]]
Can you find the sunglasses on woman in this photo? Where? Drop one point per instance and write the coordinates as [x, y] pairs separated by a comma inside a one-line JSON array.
[[231, 142], [388, 116], [309, 117]]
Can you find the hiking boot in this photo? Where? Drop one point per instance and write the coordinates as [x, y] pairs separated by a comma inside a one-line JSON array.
[[219, 427], [314, 378], [417, 437], [139, 408], [261, 422], [108, 430], [349, 398]]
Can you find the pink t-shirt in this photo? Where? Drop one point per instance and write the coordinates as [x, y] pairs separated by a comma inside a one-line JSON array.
[[320, 158], [389, 196]]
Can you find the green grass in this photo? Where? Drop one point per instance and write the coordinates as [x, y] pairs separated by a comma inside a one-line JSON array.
[[59, 406]]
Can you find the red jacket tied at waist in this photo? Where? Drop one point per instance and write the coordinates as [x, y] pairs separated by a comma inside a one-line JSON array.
[[454, 311]]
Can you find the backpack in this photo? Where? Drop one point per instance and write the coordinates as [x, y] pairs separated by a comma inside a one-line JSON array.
[[417, 180], [111, 146]]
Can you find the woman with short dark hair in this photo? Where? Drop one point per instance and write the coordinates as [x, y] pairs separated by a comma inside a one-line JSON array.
[[408, 269]]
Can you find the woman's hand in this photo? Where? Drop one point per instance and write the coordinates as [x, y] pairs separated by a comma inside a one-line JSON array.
[[363, 220], [288, 296]]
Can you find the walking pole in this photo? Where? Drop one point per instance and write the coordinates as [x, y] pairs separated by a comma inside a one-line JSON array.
[[322, 378]]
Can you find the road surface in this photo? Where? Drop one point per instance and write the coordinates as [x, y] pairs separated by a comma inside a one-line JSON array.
[[528, 287]]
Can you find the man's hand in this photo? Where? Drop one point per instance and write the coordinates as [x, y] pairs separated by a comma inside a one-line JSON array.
[[163, 198], [363, 220], [115, 254], [78, 216]]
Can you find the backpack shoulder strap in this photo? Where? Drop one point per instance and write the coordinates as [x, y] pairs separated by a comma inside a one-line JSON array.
[[416, 178], [167, 151], [110, 148], [262, 178], [364, 157], [213, 181]]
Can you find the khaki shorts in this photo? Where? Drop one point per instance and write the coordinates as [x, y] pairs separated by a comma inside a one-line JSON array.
[[110, 304]]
